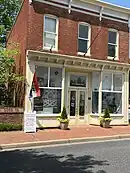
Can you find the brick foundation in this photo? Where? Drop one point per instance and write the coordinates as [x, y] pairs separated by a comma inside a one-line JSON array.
[[11, 115]]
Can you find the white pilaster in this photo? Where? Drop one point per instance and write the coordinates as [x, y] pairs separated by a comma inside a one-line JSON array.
[[126, 92], [100, 94], [63, 88]]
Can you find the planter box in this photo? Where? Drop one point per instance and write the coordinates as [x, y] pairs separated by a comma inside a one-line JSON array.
[[11, 115], [106, 124]]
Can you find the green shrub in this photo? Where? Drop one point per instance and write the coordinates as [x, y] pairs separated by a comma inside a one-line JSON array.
[[63, 117], [10, 127]]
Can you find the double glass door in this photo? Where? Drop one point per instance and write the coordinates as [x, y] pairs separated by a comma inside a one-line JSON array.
[[77, 102]]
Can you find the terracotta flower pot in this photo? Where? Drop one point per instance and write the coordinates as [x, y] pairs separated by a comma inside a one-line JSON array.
[[64, 125], [106, 124]]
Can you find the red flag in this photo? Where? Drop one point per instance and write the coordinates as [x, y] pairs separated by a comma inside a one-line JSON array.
[[35, 81]]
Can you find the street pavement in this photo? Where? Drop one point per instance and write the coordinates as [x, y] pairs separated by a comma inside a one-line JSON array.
[[98, 157]]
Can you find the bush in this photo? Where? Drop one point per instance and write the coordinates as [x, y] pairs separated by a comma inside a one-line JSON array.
[[10, 127], [63, 118]]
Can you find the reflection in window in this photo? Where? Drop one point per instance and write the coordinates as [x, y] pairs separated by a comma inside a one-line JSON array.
[[95, 91], [78, 81], [107, 81], [117, 82], [83, 38], [112, 101], [95, 96], [112, 43], [55, 77], [42, 75], [49, 102]]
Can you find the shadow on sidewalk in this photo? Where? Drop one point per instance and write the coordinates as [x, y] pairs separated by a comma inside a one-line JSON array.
[[37, 161]]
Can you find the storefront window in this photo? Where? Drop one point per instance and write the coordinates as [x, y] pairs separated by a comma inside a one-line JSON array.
[[49, 102], [95, 91], [112, 93], [50, 82]]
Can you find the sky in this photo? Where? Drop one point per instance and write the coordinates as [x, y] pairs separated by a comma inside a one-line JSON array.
[[125, 3]]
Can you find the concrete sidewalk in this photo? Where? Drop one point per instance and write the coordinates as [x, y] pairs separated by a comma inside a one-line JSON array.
[[45, 137]]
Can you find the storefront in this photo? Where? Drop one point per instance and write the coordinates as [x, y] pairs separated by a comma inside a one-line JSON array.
[[85, 86]]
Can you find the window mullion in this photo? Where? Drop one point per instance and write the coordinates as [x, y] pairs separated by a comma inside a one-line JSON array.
[[48, 76], [112, 83]]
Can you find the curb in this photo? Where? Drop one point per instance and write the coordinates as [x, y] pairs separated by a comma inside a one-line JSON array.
[[60, 142]]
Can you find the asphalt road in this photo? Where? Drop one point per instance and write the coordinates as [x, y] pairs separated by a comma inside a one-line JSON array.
[[103, 157]]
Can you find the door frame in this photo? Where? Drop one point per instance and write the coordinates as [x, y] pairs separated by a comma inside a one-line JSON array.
[[77, 116], [77, 89]]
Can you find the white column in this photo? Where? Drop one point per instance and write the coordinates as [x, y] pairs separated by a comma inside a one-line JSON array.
[[100, 94], [63, 89], [126, 92]]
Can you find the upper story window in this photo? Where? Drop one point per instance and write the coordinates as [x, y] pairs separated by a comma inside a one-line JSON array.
[[113, 44], [83, 38], [50, 32]]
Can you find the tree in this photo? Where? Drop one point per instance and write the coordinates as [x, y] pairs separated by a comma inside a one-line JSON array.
[[10, 79], [8, 12]]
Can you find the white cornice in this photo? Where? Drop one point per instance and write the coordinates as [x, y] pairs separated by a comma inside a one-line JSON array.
[[93, 7]]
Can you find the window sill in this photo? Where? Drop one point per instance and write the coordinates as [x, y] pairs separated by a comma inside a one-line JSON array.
[[112, 58], [48, 49], [47, 115], [82, 54], [112, 115]]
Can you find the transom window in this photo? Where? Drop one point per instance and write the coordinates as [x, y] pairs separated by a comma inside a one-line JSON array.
[[50, 83], [112, 44], [77, 81], [83, 38], [50, 32]]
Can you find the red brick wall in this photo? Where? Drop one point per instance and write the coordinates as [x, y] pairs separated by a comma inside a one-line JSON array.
[[18, 35], [35, 30], [28, 31], [68, 32]]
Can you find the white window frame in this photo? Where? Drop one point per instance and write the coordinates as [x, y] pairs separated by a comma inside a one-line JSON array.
[[56, 38], [86, 39], [116, 45], [54, 88], [111, 91]]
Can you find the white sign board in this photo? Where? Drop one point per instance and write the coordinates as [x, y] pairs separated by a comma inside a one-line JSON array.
[[29, 122]]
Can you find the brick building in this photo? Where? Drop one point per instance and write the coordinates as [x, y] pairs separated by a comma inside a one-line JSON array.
[[79, 50]]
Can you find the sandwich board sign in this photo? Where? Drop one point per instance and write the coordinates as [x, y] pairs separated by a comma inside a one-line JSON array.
[[29, 122]]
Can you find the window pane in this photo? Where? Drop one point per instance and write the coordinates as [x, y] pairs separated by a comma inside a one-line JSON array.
[[112, 37], [78, 81], [111, 50], [83, 31], [49, 42], [42, 76], [95, 102], [95, 81], [49, 102], [82, 46], [117, 82], [107, 81], [112, 101], [55, 77], [50, 24]]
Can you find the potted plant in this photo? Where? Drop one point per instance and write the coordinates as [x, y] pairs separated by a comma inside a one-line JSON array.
[[63, 119], [105, 119]]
